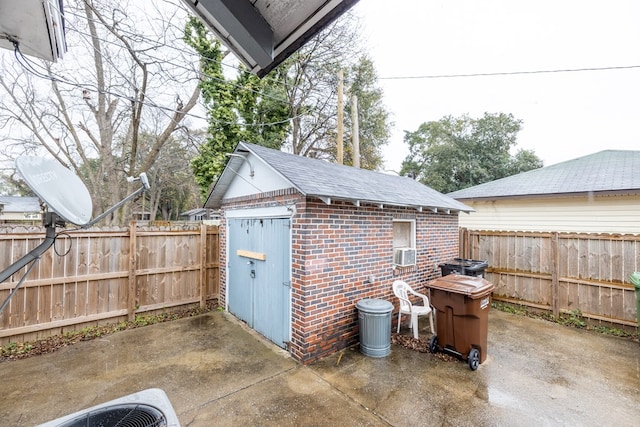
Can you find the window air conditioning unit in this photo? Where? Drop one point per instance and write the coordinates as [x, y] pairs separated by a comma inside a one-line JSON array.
[[404, 257]]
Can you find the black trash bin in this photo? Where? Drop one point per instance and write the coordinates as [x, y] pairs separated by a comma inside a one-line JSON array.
[[464, 266]]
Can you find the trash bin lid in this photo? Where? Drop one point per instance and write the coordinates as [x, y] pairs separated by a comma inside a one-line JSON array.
[[472, 265], [371, 305], [475, 287]]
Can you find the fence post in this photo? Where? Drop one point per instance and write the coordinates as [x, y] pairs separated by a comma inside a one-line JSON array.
[[133, 256], [203, 265], [463, 249], [555, 265]]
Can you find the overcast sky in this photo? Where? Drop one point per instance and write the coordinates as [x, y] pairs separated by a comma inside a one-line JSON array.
[[565, 115]]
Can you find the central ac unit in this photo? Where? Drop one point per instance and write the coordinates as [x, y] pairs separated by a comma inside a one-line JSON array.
[[404, 257], [149, 407]]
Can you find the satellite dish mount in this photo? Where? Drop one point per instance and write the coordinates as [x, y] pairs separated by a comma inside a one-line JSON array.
[[68, 200]]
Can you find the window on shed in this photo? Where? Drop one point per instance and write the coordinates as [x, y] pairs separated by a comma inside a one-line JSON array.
[[404, 234], [404, 243]]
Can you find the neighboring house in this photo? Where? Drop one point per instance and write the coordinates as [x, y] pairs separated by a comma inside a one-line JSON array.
[[303, 240], [598, 193], [199, 214], [20, 210], [139, 215]]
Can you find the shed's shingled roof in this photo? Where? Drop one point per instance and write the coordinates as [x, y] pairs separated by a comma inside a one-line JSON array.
[[613, 171], [318, 178]]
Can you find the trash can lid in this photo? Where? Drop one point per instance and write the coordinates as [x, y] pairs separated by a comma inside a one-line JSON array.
[[475, 287], [466, 263], [371, 305]]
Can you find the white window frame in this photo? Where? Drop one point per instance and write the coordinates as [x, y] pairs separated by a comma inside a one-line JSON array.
[[412, 238]]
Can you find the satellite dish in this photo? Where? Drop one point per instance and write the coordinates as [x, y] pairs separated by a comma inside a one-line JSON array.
[[58, 187], [67, 197]]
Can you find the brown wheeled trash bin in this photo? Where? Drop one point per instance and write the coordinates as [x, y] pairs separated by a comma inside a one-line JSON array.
[[462, 306]]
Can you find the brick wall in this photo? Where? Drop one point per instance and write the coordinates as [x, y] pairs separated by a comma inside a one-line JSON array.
[[336, 250]]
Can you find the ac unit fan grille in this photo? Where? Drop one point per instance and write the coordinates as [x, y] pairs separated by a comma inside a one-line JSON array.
[[124, 415]]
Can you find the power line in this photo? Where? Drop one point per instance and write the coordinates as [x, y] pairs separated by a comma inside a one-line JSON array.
[[33, 67], [30, 67], [144, 38], [510, 73]]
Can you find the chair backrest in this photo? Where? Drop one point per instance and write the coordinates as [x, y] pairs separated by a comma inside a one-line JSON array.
[[400, 290]]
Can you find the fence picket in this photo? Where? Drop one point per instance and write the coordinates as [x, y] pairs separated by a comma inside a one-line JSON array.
[[561, 272], [108, 276]]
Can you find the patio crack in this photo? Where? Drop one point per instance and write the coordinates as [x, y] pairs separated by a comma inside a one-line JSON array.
[[348, 397], [238, 390]]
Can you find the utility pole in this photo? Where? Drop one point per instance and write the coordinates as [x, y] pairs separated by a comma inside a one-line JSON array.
[[355, 132], [339, 143]]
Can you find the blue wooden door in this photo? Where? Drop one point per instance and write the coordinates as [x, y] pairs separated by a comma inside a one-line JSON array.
[[259, 282]]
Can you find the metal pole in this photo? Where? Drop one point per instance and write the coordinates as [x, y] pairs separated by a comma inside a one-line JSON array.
[[355, 131], [339, 142], [32, 257]]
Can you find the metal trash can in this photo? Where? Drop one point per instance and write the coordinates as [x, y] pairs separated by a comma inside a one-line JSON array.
[[374, 320], [635, 279], [462, 306], [468, 267]]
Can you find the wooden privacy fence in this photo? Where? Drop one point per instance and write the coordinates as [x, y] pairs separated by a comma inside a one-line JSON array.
[[94, 276], [560, 272]]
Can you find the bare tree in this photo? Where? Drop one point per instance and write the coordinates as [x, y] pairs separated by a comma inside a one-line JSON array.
[[173, 186], [127, 73], [311, 84]]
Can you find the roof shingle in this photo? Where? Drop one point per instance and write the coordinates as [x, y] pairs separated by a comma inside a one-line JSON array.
[[313, 177], [605, 171]]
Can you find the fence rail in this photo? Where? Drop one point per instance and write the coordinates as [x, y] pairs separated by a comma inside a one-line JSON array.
[[97, 276], [561, 272]]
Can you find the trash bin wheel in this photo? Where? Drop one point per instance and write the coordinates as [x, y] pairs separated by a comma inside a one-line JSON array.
[[474, 359], [433, 344]]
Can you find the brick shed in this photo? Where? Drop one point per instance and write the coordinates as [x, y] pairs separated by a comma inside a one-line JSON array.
[[303, 240]]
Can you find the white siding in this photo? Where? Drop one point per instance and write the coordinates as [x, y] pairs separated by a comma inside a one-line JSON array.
[[264, 179], [600, 214], [20, 216]]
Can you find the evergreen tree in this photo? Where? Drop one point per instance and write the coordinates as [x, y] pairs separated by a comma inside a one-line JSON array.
[[242, 109]]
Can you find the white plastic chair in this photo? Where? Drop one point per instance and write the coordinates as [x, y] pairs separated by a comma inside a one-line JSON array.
[[402, 290]]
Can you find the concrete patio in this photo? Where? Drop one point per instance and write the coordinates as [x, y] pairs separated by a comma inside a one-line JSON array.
[[217, 372]]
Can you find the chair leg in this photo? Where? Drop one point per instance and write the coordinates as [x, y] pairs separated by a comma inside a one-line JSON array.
[[414, 324], [399, 319]]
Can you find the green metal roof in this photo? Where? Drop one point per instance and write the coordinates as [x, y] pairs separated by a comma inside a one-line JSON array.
[[608, 171]]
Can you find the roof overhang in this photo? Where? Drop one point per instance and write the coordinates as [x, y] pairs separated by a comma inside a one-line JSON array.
[[329, 200], [242, 152], [37, 26], [263, 33], [222, 184]]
